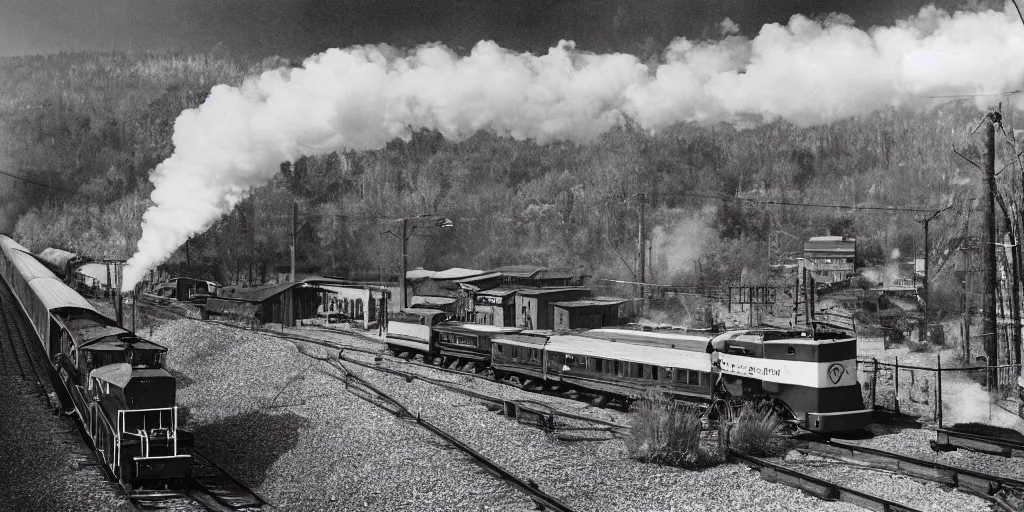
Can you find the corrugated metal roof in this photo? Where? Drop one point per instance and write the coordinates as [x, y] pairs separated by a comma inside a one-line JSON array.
[[657, 356], [55, 294]]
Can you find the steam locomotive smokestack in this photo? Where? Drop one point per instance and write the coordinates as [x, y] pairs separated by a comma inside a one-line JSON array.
[[806, 72]]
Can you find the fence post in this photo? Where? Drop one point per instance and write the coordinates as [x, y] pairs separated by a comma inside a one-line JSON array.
[[874, 380], [939, 390], [988, 385], [896, 382]]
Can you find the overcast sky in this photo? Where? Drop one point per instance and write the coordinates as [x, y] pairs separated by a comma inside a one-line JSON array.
[[295, 28]]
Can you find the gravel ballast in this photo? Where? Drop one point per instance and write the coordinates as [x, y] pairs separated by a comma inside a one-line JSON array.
[[360, 456]]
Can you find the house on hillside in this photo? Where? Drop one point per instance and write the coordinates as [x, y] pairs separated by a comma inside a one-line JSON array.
[[830, 258]]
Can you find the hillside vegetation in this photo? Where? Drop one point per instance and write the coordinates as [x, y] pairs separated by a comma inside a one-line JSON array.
[[92, 126]]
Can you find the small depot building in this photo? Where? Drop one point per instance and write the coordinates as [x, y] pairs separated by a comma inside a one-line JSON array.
[[586, 314], [285, 303]]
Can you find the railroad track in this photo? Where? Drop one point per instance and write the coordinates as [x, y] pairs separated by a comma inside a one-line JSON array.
[[1006, 493], [370, 393], [819, 487], [949, 440], [613, 428], [211, 488]]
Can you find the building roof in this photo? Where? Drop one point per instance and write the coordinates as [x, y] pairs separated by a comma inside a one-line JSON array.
[[498, 292], [419, 273], [480, 277], [456, 273], [537, 272], [574, 304], [519, 270], [830, 244], [257, 294], [550, 291]]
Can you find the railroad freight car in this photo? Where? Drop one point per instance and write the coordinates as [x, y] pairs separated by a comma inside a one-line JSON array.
[[120, 391], [465, 345]]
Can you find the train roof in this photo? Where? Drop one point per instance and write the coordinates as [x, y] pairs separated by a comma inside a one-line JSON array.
[[643, 354], [52, 292], [475, 328], [697, 343]]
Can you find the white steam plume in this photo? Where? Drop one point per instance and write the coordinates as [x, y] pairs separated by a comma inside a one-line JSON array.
[[359, 98]]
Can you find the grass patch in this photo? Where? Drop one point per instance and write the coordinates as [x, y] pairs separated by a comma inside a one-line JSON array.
[[756, 434], [665, 433]]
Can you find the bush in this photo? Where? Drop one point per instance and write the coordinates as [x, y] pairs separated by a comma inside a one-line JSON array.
[[756, 434], [665, 433]]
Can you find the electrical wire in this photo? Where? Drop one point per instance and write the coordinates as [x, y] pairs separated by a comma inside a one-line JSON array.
[[36, 183]]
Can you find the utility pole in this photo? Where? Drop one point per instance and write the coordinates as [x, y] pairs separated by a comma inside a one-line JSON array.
[[120, 298], [403, 295], [640, 247], [188, 259], [988, 253], [295, 229], [925, 319]]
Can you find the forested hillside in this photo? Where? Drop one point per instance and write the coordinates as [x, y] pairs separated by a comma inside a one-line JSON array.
[[91, 127]]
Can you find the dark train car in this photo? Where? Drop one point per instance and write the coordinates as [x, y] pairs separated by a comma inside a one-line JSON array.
[[467, 344], [519, 358], [121, 392]]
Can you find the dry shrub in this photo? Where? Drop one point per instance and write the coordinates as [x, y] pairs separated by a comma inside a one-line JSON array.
[[665, 433], [756, 434]]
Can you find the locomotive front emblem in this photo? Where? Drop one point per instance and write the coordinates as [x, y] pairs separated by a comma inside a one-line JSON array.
[[836, 372]]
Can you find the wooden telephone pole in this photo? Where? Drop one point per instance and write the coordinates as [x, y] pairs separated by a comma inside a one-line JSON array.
[[988, 252], [640, 247]]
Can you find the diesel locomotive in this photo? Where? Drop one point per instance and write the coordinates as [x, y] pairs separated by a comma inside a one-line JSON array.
[[120, 390]]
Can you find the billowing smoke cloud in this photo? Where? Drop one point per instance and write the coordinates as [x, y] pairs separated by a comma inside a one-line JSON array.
[[678, 244], [806, 72]]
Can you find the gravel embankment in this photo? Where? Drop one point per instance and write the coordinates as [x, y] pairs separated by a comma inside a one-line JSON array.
[[278, 422], [41, 455], [921, 494]]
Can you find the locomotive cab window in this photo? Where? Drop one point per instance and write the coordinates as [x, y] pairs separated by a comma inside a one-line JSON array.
[[791, 351]]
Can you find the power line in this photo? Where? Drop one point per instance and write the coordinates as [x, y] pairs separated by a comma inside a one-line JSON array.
[[1005, 93], [26, 180], [790, 203]]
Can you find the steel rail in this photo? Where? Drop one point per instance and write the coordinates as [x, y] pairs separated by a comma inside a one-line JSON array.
[[948, 440], [819, 487], [979, 483], [540, 497]]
